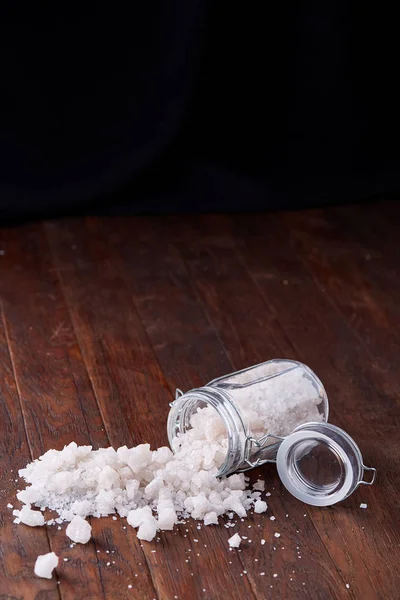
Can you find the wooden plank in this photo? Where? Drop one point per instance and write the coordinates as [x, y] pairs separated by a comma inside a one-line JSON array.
[[214, 269], [111, 334], [58, 403], [362, 401], [189, 299], [352, 257], [19, 546], [159, 282]]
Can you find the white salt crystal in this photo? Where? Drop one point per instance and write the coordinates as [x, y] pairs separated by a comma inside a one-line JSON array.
[[363, 505], [262, 542], [272, 518], [260, 506], [200, 506], [30, 517], [62, 481], [211, 518], [277, 535], [166, 518], [81, 508], [235, 482], [138, 515], [147, 529], [153, 488], [108, 478], [105, 502], [234, 541], [45, 565], [137, 483], [139, 457], [9, 505], [79, 530], [259, 485]]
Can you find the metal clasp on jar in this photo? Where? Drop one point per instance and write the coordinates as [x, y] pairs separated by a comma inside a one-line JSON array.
[[257, 452]]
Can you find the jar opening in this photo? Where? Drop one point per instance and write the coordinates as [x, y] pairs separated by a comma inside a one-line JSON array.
[[209, 416]]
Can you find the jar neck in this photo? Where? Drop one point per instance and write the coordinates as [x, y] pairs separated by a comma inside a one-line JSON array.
[[186, 405]]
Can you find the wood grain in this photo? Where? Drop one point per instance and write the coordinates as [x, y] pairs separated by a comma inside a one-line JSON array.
[[143, 395], [56, 395], [184, 318], [19, 546], [329, 345], [102, 319]]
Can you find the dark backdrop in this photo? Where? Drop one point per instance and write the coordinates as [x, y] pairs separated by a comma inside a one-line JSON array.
[[195, 105]]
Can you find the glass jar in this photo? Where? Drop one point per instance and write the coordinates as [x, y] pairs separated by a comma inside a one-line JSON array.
[[277, 412]]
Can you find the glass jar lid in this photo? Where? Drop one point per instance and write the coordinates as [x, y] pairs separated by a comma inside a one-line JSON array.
[[320, 464]]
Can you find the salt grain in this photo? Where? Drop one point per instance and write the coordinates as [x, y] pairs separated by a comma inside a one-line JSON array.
[[211, 518], [156, 489], [260, 506], [363, 505], [79, 530], [259, 485], [45, 565], [234, 541], [30, 517]]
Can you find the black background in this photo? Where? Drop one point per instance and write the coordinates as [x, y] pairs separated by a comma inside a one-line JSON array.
[[196, 106]]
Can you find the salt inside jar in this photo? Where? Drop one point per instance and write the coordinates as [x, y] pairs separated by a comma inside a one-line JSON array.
[[276, 411]]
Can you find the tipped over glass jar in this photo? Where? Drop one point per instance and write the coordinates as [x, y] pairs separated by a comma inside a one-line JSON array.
[[274, 412]]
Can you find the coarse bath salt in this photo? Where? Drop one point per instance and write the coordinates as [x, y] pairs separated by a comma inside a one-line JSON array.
[[215, 432], [155, 489], [235, 541], [260, 506], [45, 565], [26, 515], [79, 530]]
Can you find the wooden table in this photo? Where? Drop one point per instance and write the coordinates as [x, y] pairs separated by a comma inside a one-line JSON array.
[[101, 319]]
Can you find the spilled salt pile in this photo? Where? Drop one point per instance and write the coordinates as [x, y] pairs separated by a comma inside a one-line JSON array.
[[153, 489], [156, 489]]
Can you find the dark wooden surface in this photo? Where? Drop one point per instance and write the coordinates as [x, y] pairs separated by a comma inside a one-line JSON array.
[[101, 319]]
